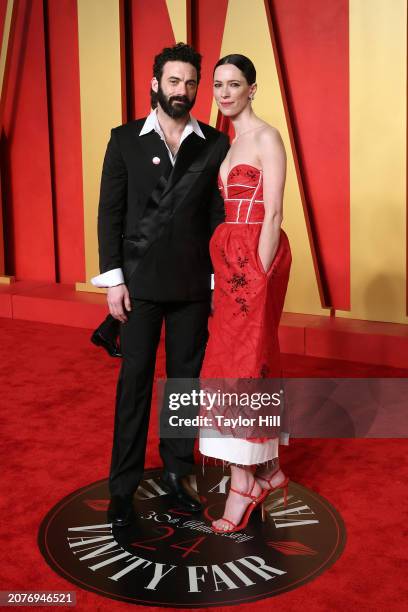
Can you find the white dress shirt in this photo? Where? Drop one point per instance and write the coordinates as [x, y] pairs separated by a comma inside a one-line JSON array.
[[115, 277]]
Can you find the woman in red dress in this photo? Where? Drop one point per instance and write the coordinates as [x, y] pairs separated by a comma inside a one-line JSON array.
[[251, 259]]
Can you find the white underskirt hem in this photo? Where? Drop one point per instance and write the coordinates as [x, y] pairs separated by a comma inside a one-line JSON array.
[[237, 450]]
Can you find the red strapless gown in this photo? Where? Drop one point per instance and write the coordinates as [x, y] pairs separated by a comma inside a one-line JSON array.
[[248, 301]]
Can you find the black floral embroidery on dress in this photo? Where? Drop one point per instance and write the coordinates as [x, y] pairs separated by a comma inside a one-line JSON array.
[[238, 171], [224, 258], [235, 172], [264, 371], [250, 174], [243, 303], [242, 261], [237, 282]]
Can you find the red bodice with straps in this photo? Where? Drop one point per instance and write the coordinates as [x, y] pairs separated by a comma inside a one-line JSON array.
[[243, 194]]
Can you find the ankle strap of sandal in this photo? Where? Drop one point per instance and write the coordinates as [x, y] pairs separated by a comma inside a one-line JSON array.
[[265, 479], [245, 494], [268, 480]]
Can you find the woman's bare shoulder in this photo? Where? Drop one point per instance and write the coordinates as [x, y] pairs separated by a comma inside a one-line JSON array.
[[270, 143], [269, 135]]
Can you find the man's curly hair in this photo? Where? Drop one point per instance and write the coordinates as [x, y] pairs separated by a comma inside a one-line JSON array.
[[179, 53]]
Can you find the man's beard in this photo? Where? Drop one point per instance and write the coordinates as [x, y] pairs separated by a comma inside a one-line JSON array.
[[172, 109]]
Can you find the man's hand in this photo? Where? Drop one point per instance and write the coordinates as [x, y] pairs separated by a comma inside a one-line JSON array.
[[119, 302]]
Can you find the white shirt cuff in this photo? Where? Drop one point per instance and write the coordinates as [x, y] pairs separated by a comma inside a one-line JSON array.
[[109, 279], [212, 281]]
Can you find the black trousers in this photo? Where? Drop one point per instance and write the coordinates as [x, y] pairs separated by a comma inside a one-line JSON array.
[[185, 340]]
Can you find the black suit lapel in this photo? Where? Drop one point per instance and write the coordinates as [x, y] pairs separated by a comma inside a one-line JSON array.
[[190, 148], [153, 147], [155, 175]]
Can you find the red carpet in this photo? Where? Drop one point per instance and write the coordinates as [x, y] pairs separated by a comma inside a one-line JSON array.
[[56, 422]]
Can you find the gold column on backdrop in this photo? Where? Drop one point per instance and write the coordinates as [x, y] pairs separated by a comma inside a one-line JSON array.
[[101, 107], [251, 37], [378, 130], [177, 10], [4, 279]]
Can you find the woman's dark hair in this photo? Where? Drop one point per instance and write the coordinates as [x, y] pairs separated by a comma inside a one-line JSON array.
[[242, 62], [179, 53]]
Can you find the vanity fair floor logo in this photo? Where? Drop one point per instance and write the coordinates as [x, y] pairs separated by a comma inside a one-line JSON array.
[[170, 557]]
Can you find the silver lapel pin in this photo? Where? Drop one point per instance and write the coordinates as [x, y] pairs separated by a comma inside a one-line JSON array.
[[156, 161]]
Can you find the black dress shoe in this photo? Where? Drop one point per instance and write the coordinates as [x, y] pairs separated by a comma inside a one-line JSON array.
[[120, 510], [175, 487], [100, 340]]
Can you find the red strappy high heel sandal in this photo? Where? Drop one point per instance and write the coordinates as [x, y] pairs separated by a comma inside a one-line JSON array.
[[255, 501], [282, 485]]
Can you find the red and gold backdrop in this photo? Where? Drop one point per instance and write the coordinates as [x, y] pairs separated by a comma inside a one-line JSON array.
[[332, 77]]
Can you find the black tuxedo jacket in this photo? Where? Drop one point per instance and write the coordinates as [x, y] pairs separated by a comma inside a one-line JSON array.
[[155, 220]]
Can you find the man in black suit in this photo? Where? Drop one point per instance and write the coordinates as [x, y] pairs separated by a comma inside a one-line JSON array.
[[159, 204]]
